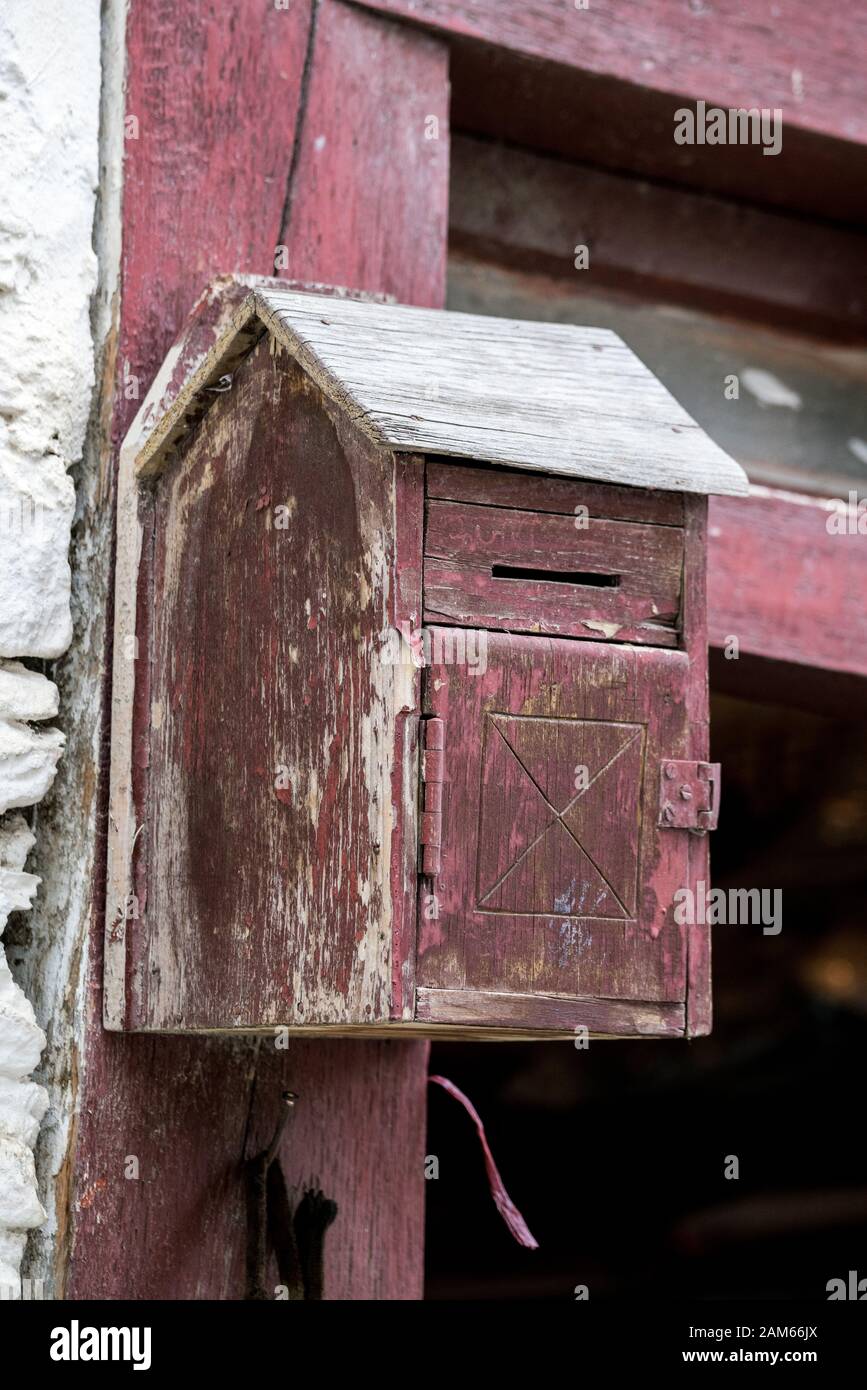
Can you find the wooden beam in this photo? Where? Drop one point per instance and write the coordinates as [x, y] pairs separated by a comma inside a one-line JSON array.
[[603, 84], [216, 100], [663, 243], [233, 137], [368, 203], [788, 588], [765, 53]]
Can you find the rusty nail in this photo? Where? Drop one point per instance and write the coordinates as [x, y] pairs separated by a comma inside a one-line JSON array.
[[670, 770], [686, 792]]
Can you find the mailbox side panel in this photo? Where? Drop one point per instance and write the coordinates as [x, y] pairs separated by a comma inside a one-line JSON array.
[[276, 870]]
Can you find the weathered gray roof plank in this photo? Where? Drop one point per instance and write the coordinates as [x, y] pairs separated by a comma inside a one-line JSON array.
[[552, 398]]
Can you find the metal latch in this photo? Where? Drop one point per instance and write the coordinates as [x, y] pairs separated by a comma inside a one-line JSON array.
[[432, 764], [689, 796]]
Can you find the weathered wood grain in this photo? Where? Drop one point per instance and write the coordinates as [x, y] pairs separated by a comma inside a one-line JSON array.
[[211, 807], [358, 1132], [553, 398], [132, 585], [182, 183], [500, 487], [271, 750], [550, 397], [192, 1109], [464, 543], [216, 94], [377, 102], [559, 1016], [704, 358], [786, 586], [546, 888], [405, 615], [699, 998]]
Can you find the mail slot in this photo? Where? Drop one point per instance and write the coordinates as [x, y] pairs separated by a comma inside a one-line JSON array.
[[529, 568], [410, 631]]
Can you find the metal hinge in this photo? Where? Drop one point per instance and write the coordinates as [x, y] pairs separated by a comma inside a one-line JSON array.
[[689, 796], [432, 763]]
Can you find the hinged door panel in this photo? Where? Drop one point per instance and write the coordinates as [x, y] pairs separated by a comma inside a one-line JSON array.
[[556, 878]]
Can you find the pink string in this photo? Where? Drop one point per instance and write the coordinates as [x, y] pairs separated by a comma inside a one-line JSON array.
[[502, 1201]]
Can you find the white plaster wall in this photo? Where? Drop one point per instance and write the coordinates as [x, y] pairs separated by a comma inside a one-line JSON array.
[[49, 170]]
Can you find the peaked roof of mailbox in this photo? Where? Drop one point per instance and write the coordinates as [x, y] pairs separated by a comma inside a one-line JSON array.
[[550, 397]]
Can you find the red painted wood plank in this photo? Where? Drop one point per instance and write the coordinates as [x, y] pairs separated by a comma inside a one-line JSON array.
[[734, 54], [786, 586], [190, 1109], [199, 149], [358, 1132], [627, 575], [217, 96], [571, 81], [222, 848], [501, 487], [371, 197], [536, 894], [215, 91], [363, 231]]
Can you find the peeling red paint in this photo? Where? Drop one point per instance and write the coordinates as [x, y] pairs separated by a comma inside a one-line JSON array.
[[155, 1097]]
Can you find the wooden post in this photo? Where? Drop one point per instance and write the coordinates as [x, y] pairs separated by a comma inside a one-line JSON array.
[[322, 130]]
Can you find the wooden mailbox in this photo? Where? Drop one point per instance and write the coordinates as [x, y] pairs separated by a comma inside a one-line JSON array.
[[410, 684]]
